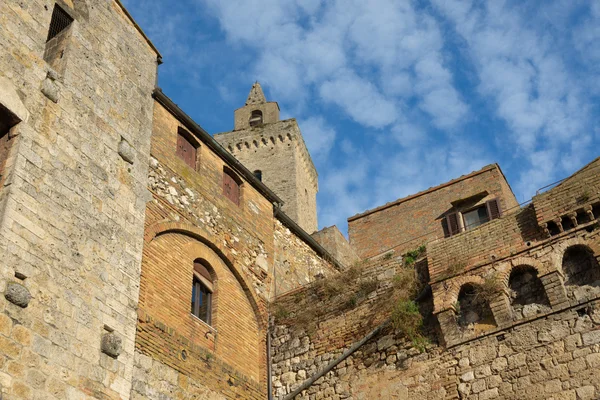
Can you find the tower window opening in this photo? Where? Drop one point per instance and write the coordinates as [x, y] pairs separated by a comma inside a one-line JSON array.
[[256, 118], [258, 174], [59, 22]]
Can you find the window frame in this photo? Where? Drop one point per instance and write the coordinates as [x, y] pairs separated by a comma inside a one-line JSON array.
[[256, 118], [228, 177], [188, 138], [465, 226], [203, 290]]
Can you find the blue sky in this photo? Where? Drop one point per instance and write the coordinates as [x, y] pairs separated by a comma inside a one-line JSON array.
[[395, 96]]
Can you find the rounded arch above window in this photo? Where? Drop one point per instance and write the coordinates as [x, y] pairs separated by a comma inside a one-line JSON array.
[[256, 118], [203, 268]]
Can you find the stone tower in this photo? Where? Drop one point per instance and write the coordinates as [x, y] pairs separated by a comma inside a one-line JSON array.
[[275, 151]]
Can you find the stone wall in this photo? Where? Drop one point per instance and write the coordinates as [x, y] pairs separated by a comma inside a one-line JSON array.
[[296, 263], [420, 218], [336, 244], [278, 150], [556, 357], [71, 208], [553, 354]]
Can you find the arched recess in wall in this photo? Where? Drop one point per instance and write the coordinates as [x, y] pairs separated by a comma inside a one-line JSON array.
[[256, 118], [473, 310], [527, 294], [162, 228], [581, 270], [174, 263]]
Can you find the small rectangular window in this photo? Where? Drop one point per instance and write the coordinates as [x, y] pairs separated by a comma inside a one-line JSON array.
[[201, 300], [58, 39], [231, 186], [59, 22], [476, 217], [187, 149]]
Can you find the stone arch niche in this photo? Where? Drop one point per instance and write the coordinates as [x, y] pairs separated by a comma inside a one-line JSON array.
[[473, 311], [581, 271], [527, 293]]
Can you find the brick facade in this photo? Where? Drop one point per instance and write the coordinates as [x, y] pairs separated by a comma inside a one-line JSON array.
[[414, 220]]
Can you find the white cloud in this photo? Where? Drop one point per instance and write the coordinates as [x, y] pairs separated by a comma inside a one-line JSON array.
[[319, 137]]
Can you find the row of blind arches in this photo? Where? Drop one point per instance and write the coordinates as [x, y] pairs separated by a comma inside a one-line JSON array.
[[579, 266]]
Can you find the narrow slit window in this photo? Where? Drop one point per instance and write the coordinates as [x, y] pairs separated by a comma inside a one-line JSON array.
[[187, 149], [231, 186], [202, 292], [258, 174], [60, 21]]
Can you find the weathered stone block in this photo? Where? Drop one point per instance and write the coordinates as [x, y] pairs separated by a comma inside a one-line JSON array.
[[126, 151], [17, 294], [111, 344]]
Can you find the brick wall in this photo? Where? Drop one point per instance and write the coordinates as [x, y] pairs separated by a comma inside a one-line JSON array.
[[418, 219], [72, 210], [574, 195], [491, 241]]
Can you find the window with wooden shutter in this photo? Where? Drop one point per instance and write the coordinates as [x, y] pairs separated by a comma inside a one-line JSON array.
[[202, 291], [187, 150], [493, 209], [452, 224], [231, 186]]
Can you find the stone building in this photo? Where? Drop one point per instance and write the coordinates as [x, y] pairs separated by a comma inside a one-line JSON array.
[[143, 258], [276, 152]]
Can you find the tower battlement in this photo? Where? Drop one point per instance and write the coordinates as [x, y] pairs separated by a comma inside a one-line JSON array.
[[276, 151]]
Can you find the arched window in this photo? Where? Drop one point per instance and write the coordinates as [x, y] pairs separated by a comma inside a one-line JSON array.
[[527, 294], [231, 185], [256, 118], [258, 174], [202, 290]]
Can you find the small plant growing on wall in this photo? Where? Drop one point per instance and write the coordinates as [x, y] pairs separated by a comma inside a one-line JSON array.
[[407, 319], [489, 288]]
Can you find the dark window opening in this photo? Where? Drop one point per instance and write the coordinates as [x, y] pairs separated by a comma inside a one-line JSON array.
[[582, 217], [187, 148], [231, 186], [57, 41], [476, 217], [553, 228], [527, 294], [596, 210], [258, 174], [7, 121], [60, 21], [256, 118], [566, 223], [202, 290]]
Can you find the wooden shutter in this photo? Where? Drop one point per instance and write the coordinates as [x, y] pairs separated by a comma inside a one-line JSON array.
[[452, 223], [186, 150], [493, 209], [231, 189]]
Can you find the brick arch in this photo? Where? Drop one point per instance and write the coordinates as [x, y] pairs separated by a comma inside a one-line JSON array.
[[561, 248], [457, 284], [161, 228], [505, 269]]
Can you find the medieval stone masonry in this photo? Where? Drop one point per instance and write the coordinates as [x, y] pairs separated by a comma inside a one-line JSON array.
[[143, 258]]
